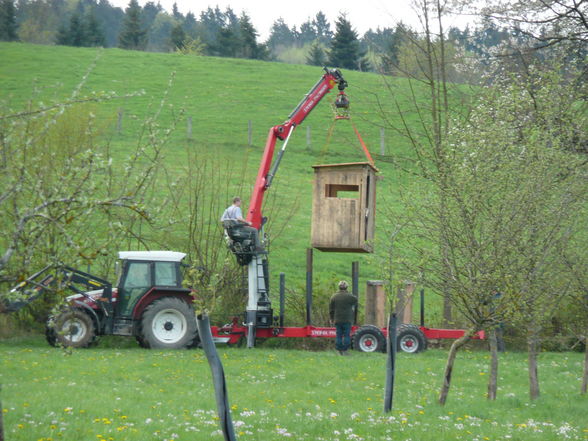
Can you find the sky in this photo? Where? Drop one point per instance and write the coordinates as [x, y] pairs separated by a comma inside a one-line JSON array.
[[363, 14]]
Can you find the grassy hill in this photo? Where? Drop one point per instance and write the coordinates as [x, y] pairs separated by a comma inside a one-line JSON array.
[[221, 96]]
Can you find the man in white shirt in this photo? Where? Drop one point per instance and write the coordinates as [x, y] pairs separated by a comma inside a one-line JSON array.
[[238, 228]]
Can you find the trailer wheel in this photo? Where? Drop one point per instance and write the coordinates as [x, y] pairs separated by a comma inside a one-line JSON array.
[[368, 338], [409, 338], [71, 328], [169, 323]]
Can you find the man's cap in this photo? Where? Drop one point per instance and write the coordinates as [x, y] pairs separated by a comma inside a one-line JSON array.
[[343, 284]]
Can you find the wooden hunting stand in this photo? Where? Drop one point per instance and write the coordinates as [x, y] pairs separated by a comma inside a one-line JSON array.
[[343, 209]]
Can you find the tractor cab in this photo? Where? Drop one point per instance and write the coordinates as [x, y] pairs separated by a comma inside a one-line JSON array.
[[143, 271]]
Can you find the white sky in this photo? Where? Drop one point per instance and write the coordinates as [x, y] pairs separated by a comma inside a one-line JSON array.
[[363, 14]]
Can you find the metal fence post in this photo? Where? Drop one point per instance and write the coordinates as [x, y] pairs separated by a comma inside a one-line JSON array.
[[390, 363]]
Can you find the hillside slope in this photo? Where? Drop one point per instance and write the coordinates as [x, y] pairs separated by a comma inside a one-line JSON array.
[[221, 96]]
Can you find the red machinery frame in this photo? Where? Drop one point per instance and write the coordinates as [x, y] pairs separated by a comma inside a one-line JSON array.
[[233, 332]]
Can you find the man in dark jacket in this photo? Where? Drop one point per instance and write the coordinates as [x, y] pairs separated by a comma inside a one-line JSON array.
[[342, 313]]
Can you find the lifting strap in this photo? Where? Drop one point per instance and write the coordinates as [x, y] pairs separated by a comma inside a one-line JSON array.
[[330, 134]]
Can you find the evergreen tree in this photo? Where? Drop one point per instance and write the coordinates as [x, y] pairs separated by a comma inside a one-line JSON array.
[[176, 12], [111, 19], [248, 34], [345, 50], [149, 13], [72, 34], [178, 37], [316, 56], [322, 28], [307, 33], [94, 35], [133, 36], [227, 43], [7, 20], [280, 35], [190, 25]]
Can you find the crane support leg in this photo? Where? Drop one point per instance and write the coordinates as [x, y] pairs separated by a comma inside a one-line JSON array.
[[259, 312]]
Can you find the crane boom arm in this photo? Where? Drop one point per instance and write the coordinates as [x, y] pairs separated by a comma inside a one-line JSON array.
[[283, 132]]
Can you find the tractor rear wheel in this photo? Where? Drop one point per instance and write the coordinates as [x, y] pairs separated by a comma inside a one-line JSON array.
[[410, 338], [71, 328], [368, 338], [169, 323]]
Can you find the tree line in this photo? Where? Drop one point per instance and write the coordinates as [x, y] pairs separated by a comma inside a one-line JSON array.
[[216, 32]]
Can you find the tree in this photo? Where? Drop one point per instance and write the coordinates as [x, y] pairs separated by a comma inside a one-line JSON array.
[[190, 25], [345, 50], [8, 21], [549, 22], [307, 33], [158, 35], [93, 31], [280, 35], [316, 56], [322, 28], [576, 266], [178, 37], [41, 22], [58, 183], [176, 12], [248, 34], [227, 42], [74, 34], [81, 31], [133, 36]]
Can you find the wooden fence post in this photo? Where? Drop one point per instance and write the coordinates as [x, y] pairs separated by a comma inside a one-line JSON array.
[[404, 304], [375, 304], [189, 127]]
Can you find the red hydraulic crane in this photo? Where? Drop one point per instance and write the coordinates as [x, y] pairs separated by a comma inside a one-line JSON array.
[[283, 132]]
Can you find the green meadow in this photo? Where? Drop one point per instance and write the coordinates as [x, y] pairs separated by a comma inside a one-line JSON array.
[[120, 392]]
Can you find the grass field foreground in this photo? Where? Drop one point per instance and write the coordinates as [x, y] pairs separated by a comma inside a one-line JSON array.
[[126, 393]]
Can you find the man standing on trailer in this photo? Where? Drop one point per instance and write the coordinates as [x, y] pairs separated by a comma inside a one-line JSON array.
[[342, 312]]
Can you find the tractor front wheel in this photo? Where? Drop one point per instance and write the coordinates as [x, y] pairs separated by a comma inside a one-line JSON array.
[[169, 323], [71, 328]]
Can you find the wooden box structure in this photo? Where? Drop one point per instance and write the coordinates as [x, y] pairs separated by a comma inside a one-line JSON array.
[[344, 207]]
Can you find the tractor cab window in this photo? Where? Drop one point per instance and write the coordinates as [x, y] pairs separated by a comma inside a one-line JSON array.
[[138, 275], [166, 274]]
